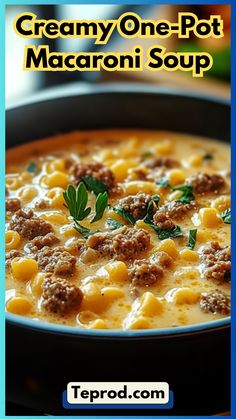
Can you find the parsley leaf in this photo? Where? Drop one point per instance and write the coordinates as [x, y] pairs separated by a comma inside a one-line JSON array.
[[192, 238], [100, 206], [113, 224], [187, 190], [94, 185], [123, 213], [84, 231], [208, 156], [32, 167], [187, 195], [164, 183], [147, 154], [226, 216], [76, 200]]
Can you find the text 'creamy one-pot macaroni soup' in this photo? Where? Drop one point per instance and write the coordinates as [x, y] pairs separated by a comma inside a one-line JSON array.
[[119, 230]]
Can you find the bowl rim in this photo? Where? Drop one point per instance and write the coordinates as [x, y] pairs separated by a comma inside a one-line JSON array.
[[80, 89], [52, 328], [83, 89]]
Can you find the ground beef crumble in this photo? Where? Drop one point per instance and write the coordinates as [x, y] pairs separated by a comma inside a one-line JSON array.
[[96, 170], [60, 296], [143, 273], [177, 210], [162, 221], [29, 225], [124, 244], [215, 302], [136, 205], [157, 162], [12, 254], [56, 260], [205, 183], [216, 262], [13, 204], [39, 242]]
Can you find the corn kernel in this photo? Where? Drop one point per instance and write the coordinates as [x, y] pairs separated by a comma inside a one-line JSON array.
[[19, 305], [139, 323], [93, 299], [195, 160], [209, 217], [186, 296], [120, 169], [97, 324], [189, 255], [118, 271], [203, 236], [12, 240], [164, 147], [134, 187], [56, 179], [169, 246], [150, 305], [111, 293], [36, 284], [24, 269], [175, 177], [221, 203]]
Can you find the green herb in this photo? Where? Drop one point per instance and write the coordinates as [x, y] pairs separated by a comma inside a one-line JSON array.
[[164, 183], [94, 185], [147, 154], [84, 231], [187, 195], [32, 167], [192, 239], [172, 232], [187, 190], [226, 216], [113, 224], [208, 156], [148, 219], [166, 234], [76, 200], [123, 213], [100, 206]]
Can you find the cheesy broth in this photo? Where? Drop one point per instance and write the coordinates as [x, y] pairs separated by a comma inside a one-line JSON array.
[[119, 279]]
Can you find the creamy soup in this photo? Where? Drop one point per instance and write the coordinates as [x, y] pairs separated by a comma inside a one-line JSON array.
[[119, 230]]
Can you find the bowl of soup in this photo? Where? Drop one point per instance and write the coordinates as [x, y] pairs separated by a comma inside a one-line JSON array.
[[118, 243]]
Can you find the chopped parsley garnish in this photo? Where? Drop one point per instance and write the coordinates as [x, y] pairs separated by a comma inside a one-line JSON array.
[[113, 224], [208, 156], [76, 200], [94, 185], [124, 214], [84, 231], [187, 195], [164, 183], [148, 219], [32, 167], [226, 216], [100, 206], [147, 154], [192, 239]]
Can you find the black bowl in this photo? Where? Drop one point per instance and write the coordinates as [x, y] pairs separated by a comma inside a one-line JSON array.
[[43, 358]]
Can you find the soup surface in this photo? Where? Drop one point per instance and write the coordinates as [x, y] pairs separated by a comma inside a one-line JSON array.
[[140, 239]]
